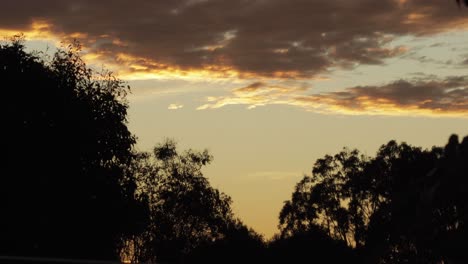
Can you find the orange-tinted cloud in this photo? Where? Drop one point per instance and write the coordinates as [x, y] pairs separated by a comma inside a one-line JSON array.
[[433, 97], [448, 97], [274, 38]]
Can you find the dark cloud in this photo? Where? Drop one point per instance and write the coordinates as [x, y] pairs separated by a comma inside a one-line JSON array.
[[431, 97], [294, 38]]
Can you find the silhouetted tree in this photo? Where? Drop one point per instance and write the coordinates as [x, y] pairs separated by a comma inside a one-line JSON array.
[[311, 246], [395, 233], [330, 199], [239, 244], [444, 197], [185, 211], [405, 205], [63, 192]]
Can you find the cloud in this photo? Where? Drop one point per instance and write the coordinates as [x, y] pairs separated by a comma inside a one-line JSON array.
[[175, 106], [272, 38], [434, 97], [254, 95], [424, 97]]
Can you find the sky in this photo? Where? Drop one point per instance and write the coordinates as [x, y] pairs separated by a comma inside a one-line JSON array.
[[269, 86]]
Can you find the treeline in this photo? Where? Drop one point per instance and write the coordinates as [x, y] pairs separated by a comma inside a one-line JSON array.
[[405, 205], [73, 187]]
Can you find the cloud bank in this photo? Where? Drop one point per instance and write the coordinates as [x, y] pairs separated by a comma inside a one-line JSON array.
[[244, 38], [261, 40]]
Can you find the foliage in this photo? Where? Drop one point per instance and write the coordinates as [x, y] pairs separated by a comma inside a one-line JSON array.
[[403, 205], [63, 192], [314, 245], [239, 244], [185, 211]]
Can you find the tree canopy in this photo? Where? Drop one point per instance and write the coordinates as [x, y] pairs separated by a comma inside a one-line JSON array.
[[404, 205], [187, 215], [63, 192]]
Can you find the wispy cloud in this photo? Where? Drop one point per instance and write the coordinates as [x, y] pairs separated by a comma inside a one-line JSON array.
[[175, 106], [255, 94], [430, 97]]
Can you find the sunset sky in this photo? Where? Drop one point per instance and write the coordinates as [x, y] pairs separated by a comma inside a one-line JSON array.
[[269, 86]]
